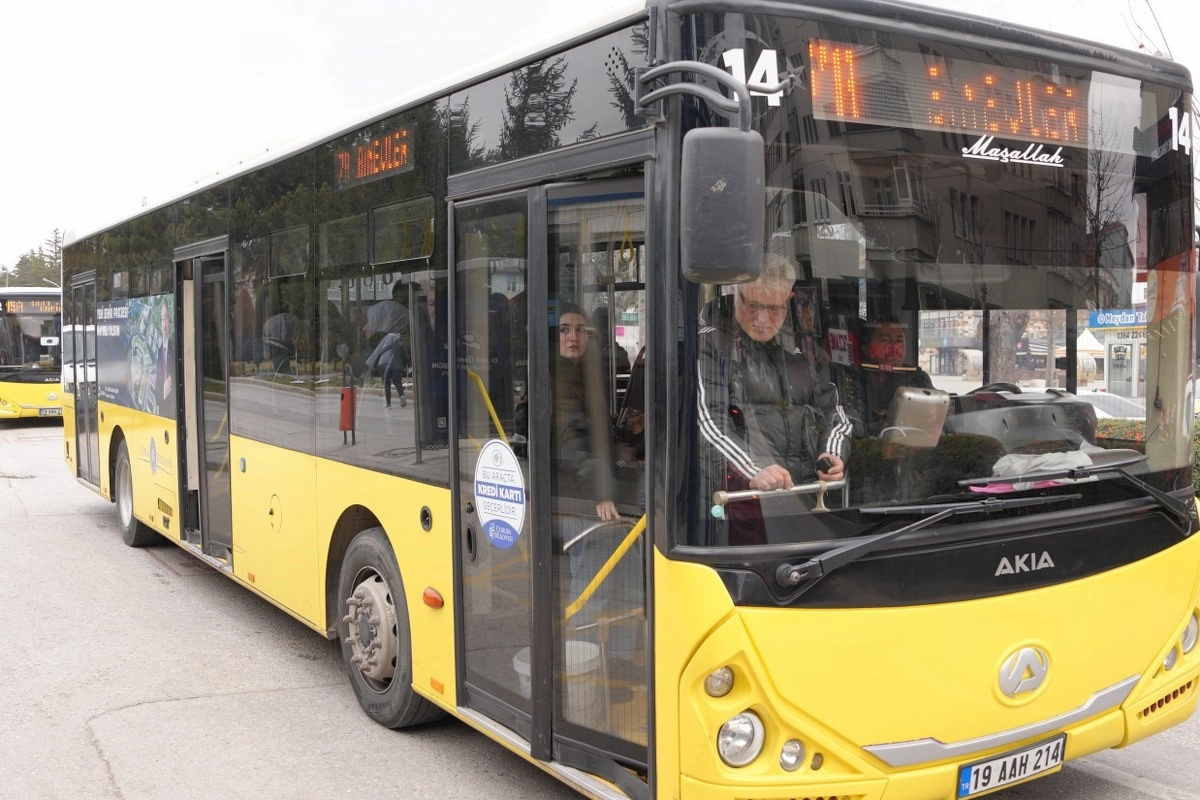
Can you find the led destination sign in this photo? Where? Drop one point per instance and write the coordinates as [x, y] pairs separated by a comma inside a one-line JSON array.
[[879, 85], [31, 305], [382, 156]]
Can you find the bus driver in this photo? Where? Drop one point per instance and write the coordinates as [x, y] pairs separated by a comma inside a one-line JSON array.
[[768, 409]]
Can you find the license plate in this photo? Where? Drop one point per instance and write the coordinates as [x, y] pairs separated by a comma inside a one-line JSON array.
[[49, 412], [985, 776]]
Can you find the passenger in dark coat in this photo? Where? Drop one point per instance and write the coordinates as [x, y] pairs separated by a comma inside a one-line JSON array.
[[581, 427], [766, 403]]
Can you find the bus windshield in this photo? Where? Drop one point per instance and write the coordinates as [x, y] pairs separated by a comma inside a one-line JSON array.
[[977, 280], [30, 328]]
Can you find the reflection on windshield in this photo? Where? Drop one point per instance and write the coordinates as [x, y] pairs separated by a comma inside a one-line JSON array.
[[945, 311], [912, 403]]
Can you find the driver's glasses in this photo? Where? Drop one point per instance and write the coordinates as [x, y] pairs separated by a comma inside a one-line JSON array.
[[756, 308]]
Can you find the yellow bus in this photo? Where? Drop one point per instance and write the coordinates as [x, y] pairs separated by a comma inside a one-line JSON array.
[[560, 536], [30, 352]]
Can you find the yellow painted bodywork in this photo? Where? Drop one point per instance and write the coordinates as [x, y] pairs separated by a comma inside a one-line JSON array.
[[30, 400], [69, 433], [152, 448], [841, 679]]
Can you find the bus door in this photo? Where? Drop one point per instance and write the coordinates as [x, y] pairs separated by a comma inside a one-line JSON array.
[[553, 611], [80, 376], [205, 312], [497, 552]]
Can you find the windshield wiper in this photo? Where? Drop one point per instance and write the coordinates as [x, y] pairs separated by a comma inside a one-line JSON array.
[[814, 569], [1185, 510]]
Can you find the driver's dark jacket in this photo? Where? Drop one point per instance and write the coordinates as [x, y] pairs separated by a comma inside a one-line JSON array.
[[763, 403]]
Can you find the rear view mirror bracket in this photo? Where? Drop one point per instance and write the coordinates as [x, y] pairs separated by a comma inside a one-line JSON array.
[[722, 180]]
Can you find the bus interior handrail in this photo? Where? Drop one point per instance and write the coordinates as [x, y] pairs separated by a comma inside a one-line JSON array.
[[602, 574]]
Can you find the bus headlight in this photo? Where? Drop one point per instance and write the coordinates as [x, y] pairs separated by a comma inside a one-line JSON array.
[[1190, 634], [740, 740]]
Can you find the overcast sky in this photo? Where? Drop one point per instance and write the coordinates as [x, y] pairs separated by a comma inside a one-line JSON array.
[[109, 104]]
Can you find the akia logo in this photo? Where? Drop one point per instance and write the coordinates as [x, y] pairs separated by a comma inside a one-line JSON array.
[[1026, 562]]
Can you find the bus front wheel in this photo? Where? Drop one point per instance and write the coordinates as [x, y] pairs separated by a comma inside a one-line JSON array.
[[133, 532], [376, 646]]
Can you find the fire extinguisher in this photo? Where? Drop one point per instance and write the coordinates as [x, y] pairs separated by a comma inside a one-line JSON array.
[[349, 404]]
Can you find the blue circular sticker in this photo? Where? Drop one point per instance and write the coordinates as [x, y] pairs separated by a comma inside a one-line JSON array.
[[500, 493]]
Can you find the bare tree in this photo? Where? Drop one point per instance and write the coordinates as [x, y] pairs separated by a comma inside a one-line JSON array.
[[1106, 198], [1001, 329]]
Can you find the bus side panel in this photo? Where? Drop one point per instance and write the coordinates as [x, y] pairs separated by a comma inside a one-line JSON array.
[[275, 537], [425, 558], [69, 433], [286, 507], [154, 460]]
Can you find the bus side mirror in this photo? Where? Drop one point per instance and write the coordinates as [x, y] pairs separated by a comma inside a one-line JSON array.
[[722, 205]]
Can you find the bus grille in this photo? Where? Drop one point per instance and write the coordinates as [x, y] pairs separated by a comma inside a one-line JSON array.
[[1164, 701]]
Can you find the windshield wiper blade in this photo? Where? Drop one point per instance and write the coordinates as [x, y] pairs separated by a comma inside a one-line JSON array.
[[816, 568], [1065, 473], [1185, 510]]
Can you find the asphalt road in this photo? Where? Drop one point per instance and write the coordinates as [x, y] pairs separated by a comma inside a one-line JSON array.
[[144, 675]]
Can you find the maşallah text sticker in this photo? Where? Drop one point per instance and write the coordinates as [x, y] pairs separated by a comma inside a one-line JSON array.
[[499, 493]]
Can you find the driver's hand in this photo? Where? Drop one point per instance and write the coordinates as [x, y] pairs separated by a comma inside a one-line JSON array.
[[771, 478], [835, 472]]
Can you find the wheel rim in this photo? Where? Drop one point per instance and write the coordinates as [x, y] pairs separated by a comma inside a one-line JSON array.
[[371, 630], [124, 492]]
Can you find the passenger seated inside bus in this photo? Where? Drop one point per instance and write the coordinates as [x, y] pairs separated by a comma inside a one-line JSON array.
[[768, 409], [883, 371], [629, 431]]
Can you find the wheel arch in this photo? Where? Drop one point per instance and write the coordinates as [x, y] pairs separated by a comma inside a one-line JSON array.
[[353, 521], [110, 468]]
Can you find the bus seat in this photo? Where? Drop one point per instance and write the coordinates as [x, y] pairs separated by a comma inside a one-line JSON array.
[[914, 421]]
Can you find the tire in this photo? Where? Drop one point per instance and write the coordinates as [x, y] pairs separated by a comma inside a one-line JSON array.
[[374, 632], [133, 532]]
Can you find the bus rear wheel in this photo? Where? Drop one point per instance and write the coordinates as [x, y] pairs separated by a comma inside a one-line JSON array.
[[133, 532], [374, 631]]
